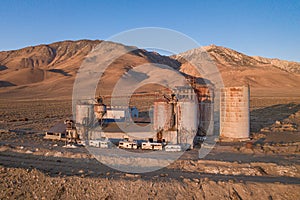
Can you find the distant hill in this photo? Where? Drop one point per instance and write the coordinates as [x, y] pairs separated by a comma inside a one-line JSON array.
[[228, 56], [48, 71], [265, 76], [38, 63]]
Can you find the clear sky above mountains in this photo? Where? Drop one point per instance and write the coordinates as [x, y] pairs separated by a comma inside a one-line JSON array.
[[264, 28]]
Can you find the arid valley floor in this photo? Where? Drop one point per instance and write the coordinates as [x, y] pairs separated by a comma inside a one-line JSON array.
[[36, 85], [34, 168]]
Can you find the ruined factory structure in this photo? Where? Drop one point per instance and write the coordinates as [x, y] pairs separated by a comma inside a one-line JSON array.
[[181, 119], [234, 113]]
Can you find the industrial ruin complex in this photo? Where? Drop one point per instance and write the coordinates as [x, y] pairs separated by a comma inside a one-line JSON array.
[[181, 119]]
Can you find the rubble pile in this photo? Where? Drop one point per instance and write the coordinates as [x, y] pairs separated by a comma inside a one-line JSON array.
[[279, 126]]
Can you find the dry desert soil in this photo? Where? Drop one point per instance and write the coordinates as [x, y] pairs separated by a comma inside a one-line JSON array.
[[34, 168], [35, 92]]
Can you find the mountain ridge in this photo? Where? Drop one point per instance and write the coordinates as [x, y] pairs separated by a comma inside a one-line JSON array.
[[48, 67], [289, 66]]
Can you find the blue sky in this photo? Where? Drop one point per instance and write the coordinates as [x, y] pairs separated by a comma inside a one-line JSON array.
[[265, 28]]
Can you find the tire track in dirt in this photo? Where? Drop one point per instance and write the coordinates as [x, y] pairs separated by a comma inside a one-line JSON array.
[[57, 166]]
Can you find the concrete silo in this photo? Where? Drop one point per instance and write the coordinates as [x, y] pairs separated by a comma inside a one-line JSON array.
[[162, 116], [206, 117], [234, 113], [84, 117], [84, 114], [164, 121], [205, 94], [187, 121]]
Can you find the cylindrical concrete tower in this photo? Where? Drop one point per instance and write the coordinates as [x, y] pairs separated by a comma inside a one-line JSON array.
[[84, 114], [162, 116], [235, 115], [188, 121]]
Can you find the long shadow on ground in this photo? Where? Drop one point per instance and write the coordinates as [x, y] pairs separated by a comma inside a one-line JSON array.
[[56, 166], [267, 116]]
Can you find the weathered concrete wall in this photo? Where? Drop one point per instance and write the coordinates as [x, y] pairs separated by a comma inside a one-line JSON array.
[[234, 114], [162, 115], [84, 114]]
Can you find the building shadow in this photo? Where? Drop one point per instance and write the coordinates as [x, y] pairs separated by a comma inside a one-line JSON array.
[[264, 117], [84, 167]]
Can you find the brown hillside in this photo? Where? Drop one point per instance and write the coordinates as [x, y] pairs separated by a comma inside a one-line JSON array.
[[49, 71], [265, 76]]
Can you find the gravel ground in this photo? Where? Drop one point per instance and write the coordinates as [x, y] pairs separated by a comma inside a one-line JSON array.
[[266, 167]]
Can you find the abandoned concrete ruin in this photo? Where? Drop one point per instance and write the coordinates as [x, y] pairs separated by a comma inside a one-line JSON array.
[[185, 116], [182, 118]]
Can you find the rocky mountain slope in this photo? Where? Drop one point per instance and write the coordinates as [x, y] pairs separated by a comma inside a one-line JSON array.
[[288, 66], [46, 71], [40, 63], [228, 56], [50, 70], [265, 76]]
